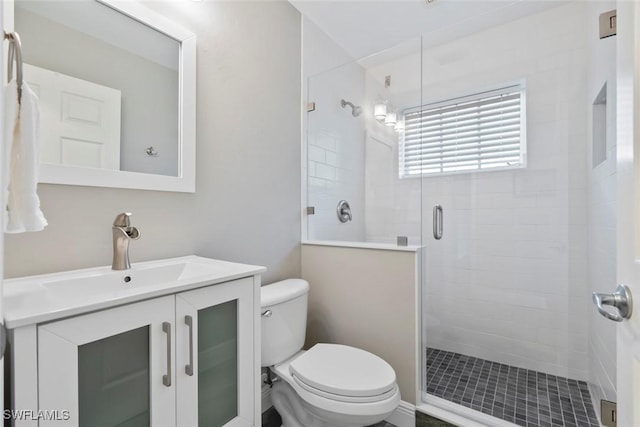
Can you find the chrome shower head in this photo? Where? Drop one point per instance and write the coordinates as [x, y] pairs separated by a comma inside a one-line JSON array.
[[356, 110]]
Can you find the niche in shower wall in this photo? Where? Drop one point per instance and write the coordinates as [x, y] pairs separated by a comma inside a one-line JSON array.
[[600, 127]]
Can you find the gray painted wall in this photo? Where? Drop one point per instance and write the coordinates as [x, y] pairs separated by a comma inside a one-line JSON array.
[[247, 204]]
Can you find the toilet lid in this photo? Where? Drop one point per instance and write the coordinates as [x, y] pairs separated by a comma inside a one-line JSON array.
[[343, 370]]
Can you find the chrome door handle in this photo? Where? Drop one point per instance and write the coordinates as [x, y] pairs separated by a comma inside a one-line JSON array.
[[437, 222], [620, 299], [166, 379], [188, 369]]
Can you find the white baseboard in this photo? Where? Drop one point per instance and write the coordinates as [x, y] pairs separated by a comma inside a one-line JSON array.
[[404, 415]]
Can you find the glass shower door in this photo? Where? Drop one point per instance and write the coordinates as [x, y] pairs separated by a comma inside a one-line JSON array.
[[504, 148]]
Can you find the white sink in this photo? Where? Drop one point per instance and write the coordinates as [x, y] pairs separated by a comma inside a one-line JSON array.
[[138, 276], [36, 299]]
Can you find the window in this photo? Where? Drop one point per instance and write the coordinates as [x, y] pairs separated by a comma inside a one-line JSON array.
[[476, 132]]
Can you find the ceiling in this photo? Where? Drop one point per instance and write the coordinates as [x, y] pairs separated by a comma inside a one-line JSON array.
[[364, 27]]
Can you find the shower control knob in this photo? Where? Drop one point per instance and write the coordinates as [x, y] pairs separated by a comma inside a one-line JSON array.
[[344, 211]]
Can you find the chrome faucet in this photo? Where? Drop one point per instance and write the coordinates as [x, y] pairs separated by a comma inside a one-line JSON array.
[[123, 233]]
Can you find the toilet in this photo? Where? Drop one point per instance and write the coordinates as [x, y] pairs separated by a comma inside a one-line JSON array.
[[329, 385]]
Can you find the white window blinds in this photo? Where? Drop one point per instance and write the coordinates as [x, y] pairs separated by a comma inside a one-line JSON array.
[[476, 132]]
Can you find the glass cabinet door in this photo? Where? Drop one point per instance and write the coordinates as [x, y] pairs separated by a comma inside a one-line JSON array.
[[113, 380], [215, 355], [111, 368]]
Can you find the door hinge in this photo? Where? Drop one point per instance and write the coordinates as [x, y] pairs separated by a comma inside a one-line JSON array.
[[311, 106], [608, 24], [608, 413], [311, 210]]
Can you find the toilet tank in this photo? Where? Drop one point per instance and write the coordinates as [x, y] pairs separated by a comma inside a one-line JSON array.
[[284, 319]]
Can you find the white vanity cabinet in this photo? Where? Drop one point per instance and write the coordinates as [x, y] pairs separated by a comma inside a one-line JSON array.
[[188, 359]]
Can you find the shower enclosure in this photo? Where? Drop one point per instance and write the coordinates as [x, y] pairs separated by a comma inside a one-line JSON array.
[[492, 147]]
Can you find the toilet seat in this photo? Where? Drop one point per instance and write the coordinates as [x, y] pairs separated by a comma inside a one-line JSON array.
[[344, 371], [366, 404], [347, 399]]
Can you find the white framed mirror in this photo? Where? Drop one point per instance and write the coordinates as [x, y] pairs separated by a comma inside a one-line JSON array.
[[117, 89]]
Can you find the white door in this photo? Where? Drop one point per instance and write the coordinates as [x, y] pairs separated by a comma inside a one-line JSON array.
[[215, 368], [3, 53], [79, 120], [628, 209], [111, 367]]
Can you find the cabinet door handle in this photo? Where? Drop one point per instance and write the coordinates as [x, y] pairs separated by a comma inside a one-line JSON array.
[[188, 369], [166, 379]]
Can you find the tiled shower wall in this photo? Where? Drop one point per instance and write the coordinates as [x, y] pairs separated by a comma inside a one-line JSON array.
[[508, 280]]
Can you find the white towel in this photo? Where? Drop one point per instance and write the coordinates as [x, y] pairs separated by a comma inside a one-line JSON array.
[[22, 154]]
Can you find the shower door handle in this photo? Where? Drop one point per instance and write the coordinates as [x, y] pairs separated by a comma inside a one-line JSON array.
[[438, 219], [620, 299]]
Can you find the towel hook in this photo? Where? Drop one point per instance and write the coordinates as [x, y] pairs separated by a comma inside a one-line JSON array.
[[15, 53]]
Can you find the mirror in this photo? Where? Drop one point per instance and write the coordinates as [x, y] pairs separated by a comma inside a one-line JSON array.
[[116, 83]]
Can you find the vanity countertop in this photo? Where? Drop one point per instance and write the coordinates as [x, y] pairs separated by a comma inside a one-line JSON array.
[[42, 298]]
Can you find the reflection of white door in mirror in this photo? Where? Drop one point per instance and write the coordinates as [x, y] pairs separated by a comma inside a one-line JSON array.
[[79, 120], [126, 46]]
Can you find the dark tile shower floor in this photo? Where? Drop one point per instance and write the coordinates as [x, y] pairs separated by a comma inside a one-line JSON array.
[[523, 397]]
